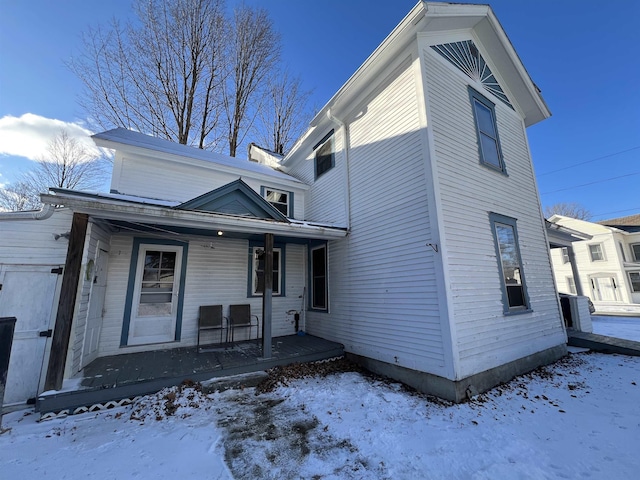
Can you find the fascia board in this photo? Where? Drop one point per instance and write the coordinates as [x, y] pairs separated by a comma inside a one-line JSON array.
[[117, 210]]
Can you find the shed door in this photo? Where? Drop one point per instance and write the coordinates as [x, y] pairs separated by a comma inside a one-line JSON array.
[[604, 289], [28, 293]]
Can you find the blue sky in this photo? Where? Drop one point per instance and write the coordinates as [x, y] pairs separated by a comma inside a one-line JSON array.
[[582, 55]]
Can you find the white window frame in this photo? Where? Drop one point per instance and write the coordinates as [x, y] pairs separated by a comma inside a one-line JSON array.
[[631, 281], [275, 204], [571, 285], [277, 267], [599, 245], [565, 255], [633, 246]]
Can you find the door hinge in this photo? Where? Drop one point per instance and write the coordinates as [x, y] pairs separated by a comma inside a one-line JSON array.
[[57, 271], [46, 333]]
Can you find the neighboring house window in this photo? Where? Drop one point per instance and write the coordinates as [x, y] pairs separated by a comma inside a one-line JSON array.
[[634, 277], [635, 248], [257, 271], [565, 254], [596, 252], [281, 200], [319, 284], [487, 131], [514, 291], [624, 256], [571, 285], [324, 156]]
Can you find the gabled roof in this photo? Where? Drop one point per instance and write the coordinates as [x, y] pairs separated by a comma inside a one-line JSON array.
[[235, 198], [630, 220], [127, 140], [434, 19]]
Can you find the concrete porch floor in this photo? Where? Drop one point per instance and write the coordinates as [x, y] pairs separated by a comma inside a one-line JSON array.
[[118, 377]]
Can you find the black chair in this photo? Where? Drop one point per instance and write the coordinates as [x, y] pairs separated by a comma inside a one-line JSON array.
[[240, 317], [211, 318]]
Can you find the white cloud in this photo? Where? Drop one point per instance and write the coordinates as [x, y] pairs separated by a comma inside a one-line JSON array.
[[28, 135]]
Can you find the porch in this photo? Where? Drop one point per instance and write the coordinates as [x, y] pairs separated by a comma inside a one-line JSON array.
[[117, 377]]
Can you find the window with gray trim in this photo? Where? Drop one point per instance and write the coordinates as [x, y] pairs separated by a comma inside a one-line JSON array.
[[324, 156], [514, 290], [256, 273], [635, 249], [279, 199], [634, 278], [596, 252], [487, 131]]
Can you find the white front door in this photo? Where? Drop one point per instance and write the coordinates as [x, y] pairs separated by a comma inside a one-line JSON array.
[[604, 289], [96, 304], [28, 293], [154, 305]]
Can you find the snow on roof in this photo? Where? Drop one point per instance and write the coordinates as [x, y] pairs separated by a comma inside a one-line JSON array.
[[118, 196], [123, 136]]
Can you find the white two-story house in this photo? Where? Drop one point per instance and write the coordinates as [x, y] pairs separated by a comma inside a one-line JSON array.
[[406, 218]]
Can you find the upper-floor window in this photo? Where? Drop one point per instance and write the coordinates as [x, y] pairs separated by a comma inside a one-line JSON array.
[[571, 285], [565, 255], [281, 200], [634, 277], [624, 255], [635, 249], [596, 252], [324, 156], [514, 290], [487, 131]]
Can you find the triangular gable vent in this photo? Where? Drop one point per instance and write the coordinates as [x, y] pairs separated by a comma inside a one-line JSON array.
[[235, 198], [466, 57]]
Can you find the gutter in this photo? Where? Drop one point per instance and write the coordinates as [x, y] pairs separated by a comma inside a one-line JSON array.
[[42, 214]]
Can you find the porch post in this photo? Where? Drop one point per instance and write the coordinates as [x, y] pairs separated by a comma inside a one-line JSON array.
[[66, 304], [574, 270], [267, 295]]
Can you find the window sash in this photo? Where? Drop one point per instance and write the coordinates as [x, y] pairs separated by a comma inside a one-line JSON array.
[[486, 131], [596, 252], [565, 254], [279, 200], [257, 269], [634, 280], [572, 285], [324, 158], [635, 248]]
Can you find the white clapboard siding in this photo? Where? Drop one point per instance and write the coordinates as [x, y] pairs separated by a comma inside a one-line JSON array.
[[469, 191], [326, 200], [214, 276], [32, 242], [383, 301], [163, 179]]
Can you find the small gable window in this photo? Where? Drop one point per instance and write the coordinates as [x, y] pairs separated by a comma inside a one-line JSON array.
[[280, 200], [324, 156], [487, 131]]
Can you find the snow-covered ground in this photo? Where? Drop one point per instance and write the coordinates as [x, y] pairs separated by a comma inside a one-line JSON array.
[[576, 419], [621, 327]]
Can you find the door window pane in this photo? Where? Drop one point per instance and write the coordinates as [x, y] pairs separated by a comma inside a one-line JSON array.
[[157, 284]]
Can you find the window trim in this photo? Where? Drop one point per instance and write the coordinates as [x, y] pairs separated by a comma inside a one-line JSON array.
[[312, 248], [140, 244], [636, 258], [328, 138], [565, 255], [494, 219], [264, 192], [603, 259], [253, 245], [631, 281], [571, 285], [475, 96]]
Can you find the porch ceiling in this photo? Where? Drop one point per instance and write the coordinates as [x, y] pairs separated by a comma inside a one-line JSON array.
[[146, 216]]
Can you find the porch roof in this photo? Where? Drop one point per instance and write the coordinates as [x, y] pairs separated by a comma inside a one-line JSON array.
[[560, 236], [159, 214]]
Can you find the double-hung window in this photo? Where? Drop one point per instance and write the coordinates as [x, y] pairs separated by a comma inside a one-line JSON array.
[[565, 255], [514, 291], [487, 131], [324, 155], [256, 277], [571, 285], [596, 252], [319, 285], [635, 249], [634, 278], [281, 200]]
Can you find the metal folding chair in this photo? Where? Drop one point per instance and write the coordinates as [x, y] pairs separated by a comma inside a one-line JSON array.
[[211, 318], [240, 317]]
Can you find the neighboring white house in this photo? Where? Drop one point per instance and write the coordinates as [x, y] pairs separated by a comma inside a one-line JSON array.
[[608, 263], [407, 217]]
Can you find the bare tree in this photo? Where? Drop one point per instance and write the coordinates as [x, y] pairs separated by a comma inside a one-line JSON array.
[[67, 164], [253, 54], [161, 75], [284, 114], [568, 209]]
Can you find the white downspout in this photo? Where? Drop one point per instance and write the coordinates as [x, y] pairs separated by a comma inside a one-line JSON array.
[[346, 161], [46, 211]]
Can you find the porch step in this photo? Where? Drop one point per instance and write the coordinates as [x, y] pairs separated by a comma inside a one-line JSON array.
[[602, 343], [129, 377]]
